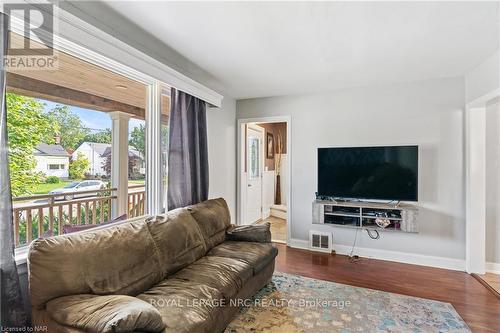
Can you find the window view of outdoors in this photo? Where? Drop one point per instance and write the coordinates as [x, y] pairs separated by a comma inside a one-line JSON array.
[[136, 166], [62, 154], [67, 172]]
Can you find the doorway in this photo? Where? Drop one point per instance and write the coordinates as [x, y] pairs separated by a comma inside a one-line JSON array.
[[263, 194]]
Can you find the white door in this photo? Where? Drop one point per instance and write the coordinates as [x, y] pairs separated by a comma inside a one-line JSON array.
[[255, 140]]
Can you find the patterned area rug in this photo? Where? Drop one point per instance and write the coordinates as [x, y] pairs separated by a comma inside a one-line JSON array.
[[293, 304]]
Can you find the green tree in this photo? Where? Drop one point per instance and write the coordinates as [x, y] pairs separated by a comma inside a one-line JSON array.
[[78, 167], [137, 139], [99, 137], [27, 127], [71, 129]]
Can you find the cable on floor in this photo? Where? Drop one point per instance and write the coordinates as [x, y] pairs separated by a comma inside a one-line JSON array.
[[373, 234]]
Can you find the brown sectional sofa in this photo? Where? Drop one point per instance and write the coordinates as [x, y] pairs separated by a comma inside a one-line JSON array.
[[176, 272]]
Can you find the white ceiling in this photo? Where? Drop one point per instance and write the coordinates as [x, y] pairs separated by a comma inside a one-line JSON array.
[[265, 49]]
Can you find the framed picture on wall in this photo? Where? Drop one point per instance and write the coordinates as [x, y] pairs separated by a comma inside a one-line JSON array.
[[269, 145]]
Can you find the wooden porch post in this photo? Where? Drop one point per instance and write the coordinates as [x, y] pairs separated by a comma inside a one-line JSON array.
[[119, 162]]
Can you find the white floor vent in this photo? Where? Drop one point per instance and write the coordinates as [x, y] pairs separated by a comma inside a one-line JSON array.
[[320, 241]]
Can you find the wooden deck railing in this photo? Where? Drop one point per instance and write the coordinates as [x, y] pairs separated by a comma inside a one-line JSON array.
[[34, 216], [136, 200]]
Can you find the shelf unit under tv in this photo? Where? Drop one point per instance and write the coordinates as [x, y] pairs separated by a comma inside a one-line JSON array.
[[361, 214]]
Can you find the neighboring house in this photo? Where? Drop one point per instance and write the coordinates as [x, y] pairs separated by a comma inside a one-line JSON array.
[[97, 154], [93, 152], [52, 160], [135, 162]]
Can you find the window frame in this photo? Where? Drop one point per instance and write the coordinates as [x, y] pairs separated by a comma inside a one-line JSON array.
[[103, 49], [152, 98]]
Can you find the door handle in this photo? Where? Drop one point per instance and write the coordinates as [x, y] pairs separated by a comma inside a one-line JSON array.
[[249, 185]]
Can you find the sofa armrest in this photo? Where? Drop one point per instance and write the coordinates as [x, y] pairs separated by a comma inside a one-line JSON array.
[[250, 233], [106, 314]]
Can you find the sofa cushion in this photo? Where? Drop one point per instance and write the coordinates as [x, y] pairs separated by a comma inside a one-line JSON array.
[[224, 274], [185, 306], [178, 239], [105, 314], [117, 260], [256, 255], [213, 218]]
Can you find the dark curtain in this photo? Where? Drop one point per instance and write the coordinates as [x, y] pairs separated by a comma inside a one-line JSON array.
[[188, 152], [12, 309]]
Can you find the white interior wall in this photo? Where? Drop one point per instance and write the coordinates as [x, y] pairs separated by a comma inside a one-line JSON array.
[[220, 122], [480, 80], [222, 153], [428, 113], [493, 182], [483, 79]]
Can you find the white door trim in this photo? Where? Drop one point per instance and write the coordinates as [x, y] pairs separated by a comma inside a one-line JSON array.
[[475, 183], [239, 196]]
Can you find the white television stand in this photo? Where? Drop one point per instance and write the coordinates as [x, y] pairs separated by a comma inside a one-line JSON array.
[[360, 214]]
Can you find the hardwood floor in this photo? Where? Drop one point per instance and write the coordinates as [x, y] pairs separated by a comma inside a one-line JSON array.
[[490, 281], [478, 306], [493, 280], [278, 228]]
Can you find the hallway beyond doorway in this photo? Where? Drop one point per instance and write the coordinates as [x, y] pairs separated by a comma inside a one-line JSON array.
[[278, 228]]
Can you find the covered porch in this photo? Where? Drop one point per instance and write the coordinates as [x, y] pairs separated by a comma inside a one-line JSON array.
[[81, 84]]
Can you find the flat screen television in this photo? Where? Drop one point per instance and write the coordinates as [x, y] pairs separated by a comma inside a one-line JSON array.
[[369, 173]]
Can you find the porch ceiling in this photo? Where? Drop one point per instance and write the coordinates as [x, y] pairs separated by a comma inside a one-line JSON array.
[[82, 84]]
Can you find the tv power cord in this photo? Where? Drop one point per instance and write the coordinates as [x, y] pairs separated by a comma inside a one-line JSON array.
[[372, 233]]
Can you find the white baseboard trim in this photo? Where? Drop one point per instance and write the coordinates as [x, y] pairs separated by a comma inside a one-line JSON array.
[[299, 244], [402, 257], [493, 267]]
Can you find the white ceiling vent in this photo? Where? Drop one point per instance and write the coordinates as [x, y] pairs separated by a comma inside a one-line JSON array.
[[320, 241]]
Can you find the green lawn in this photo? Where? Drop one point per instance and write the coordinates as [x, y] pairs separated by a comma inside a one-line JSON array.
[[46, 188], [136, 182]]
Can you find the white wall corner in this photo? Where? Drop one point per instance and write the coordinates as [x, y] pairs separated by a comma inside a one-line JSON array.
[[475, 229], [484, 79]]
